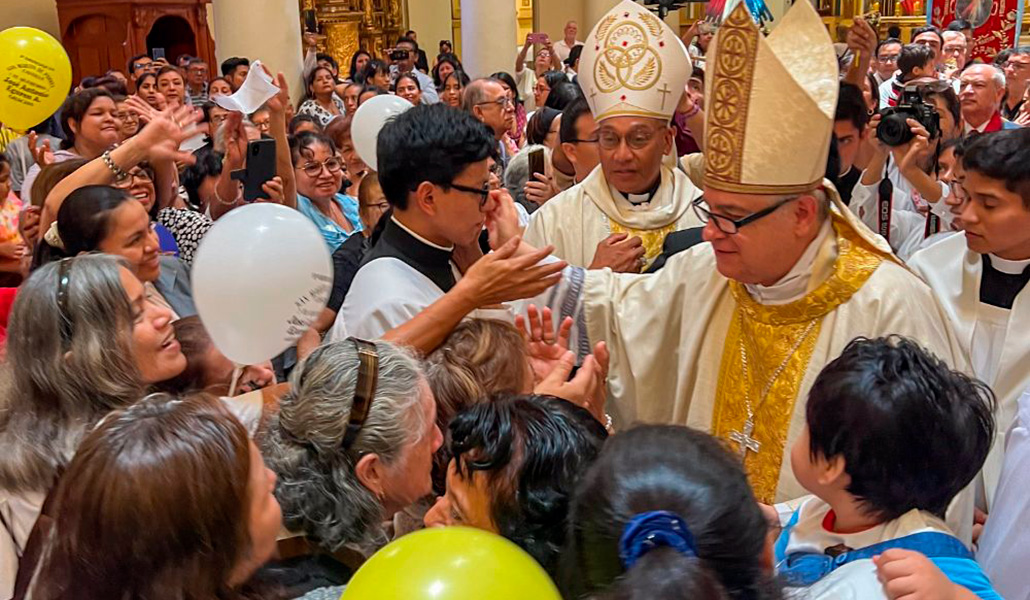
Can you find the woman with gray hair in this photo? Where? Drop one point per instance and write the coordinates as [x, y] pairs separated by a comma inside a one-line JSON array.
[[83, 340], [352, 444]]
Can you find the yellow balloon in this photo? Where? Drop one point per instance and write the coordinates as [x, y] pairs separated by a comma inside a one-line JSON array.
[[35, 76], [451, 563]]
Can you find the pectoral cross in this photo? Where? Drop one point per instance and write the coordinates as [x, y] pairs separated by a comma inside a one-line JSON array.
[[744, 440]]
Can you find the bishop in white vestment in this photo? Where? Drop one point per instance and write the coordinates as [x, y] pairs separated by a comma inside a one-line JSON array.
[[634, 70], [692, 346]]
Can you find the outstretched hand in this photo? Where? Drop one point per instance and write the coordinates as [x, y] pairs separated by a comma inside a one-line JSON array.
[[587, 389], [511, 273], [545, 345], [165, 133], [42, 155]]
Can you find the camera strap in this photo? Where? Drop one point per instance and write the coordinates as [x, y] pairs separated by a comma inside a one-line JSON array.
[[884, 203]]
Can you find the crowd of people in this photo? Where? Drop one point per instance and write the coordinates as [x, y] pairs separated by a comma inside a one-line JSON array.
[[732, 315]]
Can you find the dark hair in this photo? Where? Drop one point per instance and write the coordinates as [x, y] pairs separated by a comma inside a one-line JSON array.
[[554, 78], [540, 125], [132, 61], [912, 432], [208, 164], [945, 92], [1003, 156], [219, 79], [894, 32], [851, 106], [682, 471], [958, 24], [430, 142], [374, 66], [230, 65], [406, 40], [1002, 57], [462, 77], [532, 451], [301, 144], [113, 85], [509, 81], [574, 54], [319, 57], [195, 341], [449, 59], [927, 29], [874, 89], [913, 56], [354, 75], [562, 95], [168, 475], [409, 75], [571, 114], [83, 221], [296, 122], [75, 108], [887, 42], [310, 81]]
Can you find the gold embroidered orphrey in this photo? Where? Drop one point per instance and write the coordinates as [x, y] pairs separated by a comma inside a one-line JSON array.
[[653, 239], [628, 60], [731, 93], [780, 335]]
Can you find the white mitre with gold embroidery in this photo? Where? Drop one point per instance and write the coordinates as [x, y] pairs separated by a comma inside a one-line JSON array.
[[770, 104], [633, 64]]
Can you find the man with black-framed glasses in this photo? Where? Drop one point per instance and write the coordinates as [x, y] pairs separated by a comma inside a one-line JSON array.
[[619, 215], [435, 171]]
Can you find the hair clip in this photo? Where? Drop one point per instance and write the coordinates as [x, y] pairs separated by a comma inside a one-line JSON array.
[[649, 530]]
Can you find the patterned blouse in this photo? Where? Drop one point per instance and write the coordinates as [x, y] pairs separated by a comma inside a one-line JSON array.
[[187, 227], [312, 108]]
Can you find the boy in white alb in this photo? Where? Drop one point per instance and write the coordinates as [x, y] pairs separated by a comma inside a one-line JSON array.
[[892, 436]]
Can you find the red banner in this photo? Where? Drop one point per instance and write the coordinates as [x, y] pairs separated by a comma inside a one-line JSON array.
[[994, 23]]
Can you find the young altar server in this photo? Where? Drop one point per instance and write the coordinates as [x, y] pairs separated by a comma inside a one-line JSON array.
[[892, 435]]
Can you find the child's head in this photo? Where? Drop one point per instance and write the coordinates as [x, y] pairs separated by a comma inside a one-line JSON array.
[[997, 180], [893, 428], [5, 177]]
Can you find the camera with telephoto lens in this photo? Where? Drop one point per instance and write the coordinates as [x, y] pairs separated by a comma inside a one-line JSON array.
[[398, 54], [894, 130]]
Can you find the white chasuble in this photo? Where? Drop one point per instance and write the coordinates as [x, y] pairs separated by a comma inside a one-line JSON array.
[[674, 340], [581, 217], [954, 272]]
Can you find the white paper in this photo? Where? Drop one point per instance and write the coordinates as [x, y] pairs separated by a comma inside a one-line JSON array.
[[255, 91]]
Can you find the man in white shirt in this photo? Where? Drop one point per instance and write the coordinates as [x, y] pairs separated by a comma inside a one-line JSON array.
[[407, 65], [564, 46]]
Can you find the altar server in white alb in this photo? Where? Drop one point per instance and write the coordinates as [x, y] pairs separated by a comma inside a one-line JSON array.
[[633, 71]]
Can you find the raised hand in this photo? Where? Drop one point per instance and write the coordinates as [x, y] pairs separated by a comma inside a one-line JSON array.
[[166, 131], [861, 37], [545, 346], [278, 102], [273, 189], [28, 224], [41, 153], [502, 219], [511, 273], [583, 390], [137, 105], [541, 189], [235, 141]]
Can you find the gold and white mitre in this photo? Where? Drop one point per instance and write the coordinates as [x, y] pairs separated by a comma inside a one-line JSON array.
[[770, 104], [633, 64]]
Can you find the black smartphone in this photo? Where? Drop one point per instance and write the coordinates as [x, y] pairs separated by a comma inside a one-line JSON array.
[[157, 53], [398, 55], [310, 24], [536, 163], [260, 168]]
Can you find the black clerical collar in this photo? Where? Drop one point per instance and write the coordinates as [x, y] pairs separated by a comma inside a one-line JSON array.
[[425, 257], [638, 199], [1000, 286]]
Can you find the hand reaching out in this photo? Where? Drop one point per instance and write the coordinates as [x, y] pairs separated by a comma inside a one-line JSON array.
[[862, 38], [235, 142], [41, 153], [510, 273], [278, 102], [586, 389], [166, 131], [545, 346]]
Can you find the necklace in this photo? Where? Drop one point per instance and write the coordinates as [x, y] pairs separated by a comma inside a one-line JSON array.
[[743, 438]]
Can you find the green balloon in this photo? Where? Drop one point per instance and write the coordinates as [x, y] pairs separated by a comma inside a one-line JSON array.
[[451, 563]]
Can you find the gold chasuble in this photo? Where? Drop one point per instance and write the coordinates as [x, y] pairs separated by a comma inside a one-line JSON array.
[[765, 357]]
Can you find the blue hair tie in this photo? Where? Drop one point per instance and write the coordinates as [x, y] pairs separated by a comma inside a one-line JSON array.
[[649, 530]]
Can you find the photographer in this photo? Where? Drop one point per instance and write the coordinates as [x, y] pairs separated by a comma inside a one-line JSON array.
[[905, 205], [402, 59]]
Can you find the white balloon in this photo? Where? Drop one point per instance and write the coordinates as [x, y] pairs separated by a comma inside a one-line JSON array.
[[369, 120], [261, 275]]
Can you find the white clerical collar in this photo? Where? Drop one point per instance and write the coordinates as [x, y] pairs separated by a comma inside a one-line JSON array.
[[637, 201], [1009, 267], [420, 238], [794, 284]]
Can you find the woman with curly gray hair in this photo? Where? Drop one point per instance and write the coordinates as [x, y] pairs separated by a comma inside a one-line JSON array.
[[352, 445]]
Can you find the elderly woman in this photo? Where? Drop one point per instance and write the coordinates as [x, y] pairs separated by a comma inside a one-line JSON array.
[[353, 443], [184, 501]]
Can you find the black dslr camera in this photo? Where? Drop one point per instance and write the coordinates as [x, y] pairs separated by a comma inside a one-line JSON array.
[[398, 54], [893, 129]]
